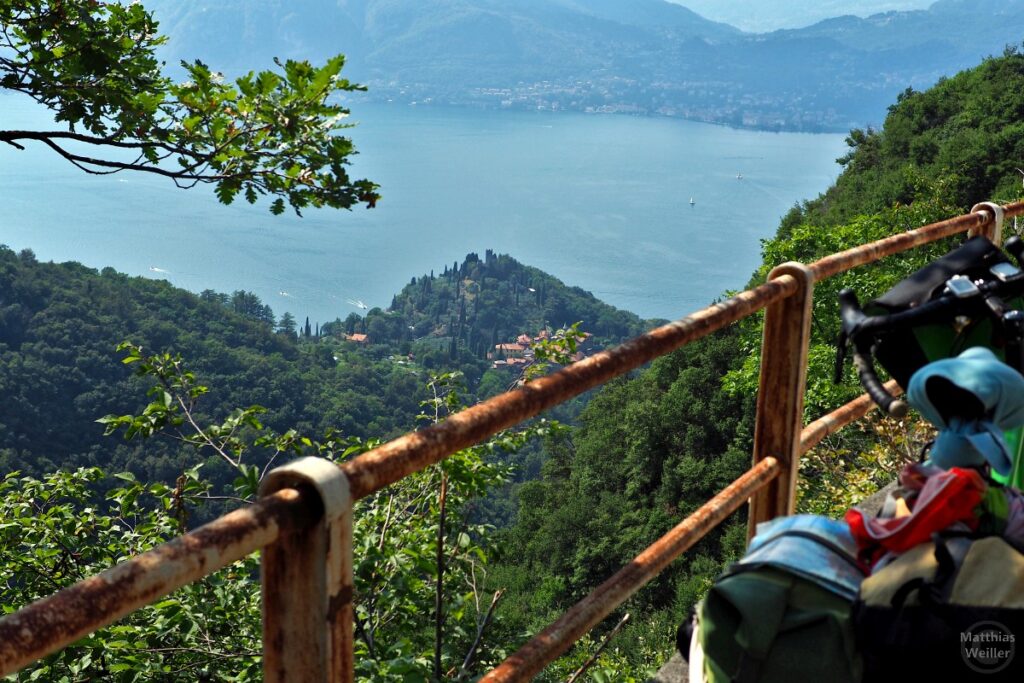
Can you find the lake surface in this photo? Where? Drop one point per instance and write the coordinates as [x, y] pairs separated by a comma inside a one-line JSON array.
[[602, 202]]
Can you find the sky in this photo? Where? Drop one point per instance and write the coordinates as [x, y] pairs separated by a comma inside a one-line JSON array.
[[760, 16]]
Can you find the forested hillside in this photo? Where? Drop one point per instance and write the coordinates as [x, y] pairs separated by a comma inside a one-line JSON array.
[[60, 324], [470, 307], [964, 138]]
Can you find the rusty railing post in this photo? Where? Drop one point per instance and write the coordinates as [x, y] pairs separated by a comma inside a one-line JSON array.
[[993, 229], [780, 395], [307, 583]]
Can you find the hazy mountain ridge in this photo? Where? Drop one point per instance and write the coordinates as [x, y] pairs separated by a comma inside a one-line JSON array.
[[769, 15], [384, 34], [946, 21], [650, 57]]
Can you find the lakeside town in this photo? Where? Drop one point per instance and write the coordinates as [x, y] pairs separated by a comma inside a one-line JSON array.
[[704, 101]]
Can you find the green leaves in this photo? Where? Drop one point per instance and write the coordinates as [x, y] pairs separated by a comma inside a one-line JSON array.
[[275, 132], [51, 541], [559, 349], [272, 134]]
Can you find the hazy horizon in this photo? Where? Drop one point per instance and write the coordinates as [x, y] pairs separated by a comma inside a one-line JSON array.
[[770, 15]]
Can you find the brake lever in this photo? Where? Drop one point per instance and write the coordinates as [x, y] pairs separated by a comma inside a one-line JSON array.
[[850, 316], [1015, 246]]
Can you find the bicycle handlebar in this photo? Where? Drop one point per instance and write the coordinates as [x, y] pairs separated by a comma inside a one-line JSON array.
[[859, 329]]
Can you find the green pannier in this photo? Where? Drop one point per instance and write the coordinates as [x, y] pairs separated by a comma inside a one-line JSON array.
[[770, 625], [784, 612]]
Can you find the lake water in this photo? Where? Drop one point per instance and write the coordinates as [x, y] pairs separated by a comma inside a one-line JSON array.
[[602, 202]]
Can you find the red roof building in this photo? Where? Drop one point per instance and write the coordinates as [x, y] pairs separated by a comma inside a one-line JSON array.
[[510, 350]]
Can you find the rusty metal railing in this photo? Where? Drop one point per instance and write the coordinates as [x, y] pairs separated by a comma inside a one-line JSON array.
[[303, 520]]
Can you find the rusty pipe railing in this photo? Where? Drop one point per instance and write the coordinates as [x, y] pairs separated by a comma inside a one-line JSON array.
[[309, 518], [54, 622], [981, 220], [814, 433], [544, 648]]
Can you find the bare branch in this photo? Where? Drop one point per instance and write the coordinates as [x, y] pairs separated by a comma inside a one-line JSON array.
[[83, 162], [464, 670], [266, 468], [112, 140], [200, 651], [593, 658], [199, 430], [439, 601]]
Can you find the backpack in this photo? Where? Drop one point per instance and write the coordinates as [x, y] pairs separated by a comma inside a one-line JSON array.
[[784, 612], [951, 609]]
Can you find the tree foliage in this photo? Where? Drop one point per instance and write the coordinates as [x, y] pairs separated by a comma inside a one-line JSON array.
[[58, 530], [93, 64], [964, 133], [419, 560]]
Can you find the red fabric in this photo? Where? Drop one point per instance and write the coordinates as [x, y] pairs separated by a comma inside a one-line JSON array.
[[945, 498]]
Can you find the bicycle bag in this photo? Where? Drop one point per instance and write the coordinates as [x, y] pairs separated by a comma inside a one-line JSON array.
[[784, 612], [951, 609]]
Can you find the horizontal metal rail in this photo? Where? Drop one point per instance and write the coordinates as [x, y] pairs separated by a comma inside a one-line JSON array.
[[415, 451], [548, 645], [814, 433], [58, 620], [868, 253]]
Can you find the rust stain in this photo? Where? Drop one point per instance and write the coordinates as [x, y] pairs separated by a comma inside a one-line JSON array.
[[339, 602]]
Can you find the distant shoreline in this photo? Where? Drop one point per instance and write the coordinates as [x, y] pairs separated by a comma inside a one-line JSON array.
[[381, 96]]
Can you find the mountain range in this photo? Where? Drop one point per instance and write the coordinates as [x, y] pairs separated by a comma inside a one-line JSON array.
[[644, 56], [763, 16]]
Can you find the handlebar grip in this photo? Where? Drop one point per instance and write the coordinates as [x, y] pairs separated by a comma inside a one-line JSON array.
[[874, 388], [1015, 246], [850, 313]]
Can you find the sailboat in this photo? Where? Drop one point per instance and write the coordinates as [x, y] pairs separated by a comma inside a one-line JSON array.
[[692, 202]]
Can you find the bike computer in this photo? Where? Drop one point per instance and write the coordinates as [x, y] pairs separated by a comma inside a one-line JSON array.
[[961, 287], [1006, 272]]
